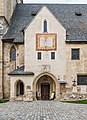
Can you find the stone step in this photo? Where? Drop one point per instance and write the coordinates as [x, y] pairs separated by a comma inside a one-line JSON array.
[[19, 98]]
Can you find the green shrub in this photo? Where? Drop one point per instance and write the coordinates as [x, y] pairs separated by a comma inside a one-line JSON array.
[[77, 101], [3, 101]]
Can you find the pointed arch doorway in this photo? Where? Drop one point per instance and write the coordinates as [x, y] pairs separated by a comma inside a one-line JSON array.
[[19, 88], [44, 85]]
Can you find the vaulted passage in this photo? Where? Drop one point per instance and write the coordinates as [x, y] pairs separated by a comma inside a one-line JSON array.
[[45, 86]]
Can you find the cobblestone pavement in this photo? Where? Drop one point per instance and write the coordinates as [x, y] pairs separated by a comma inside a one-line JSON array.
[[42, 110]]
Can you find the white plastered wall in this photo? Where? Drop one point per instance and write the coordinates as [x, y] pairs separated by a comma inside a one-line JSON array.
[[57, 66]]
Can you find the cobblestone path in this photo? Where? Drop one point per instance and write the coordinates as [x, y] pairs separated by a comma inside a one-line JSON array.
[[42, 110]]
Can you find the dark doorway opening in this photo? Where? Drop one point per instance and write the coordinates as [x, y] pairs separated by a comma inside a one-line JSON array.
[[45, 91], [20, 88]]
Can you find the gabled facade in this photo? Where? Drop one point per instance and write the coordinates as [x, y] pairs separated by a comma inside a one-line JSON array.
[[45, 52]]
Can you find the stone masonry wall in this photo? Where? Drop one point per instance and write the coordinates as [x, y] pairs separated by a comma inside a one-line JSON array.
[[1, 7], [4, 25], [74, 67], [10, 66], [6, 8]]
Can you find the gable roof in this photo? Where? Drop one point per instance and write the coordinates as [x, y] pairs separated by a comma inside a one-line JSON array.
[[73, 17]]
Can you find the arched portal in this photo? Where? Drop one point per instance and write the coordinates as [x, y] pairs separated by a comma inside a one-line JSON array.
[[19, 88], [44, 85]]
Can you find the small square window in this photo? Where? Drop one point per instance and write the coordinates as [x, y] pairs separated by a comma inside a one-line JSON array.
[[75, 54], [52, 55], [39, 55]]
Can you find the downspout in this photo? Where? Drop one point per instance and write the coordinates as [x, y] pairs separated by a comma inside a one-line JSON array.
[[3, 68]]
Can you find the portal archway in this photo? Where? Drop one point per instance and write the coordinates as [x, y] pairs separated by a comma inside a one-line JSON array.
[[44, 85]]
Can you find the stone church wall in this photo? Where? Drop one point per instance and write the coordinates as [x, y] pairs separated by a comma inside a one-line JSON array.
[[4, 26], [6, 8], [75, 67], [1, 8], [11, 65]]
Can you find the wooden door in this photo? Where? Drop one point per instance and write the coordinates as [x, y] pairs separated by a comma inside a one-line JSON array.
[[45, 91]]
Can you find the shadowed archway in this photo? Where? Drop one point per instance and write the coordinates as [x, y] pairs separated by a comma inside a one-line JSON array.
[[44, 85], [19, 88]]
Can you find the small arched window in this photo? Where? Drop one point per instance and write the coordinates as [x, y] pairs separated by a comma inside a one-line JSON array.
[[45, 26], [13, 54]]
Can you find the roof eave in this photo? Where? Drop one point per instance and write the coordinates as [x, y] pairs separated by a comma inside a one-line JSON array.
[[76, 41], [7, 39], [11, 74]]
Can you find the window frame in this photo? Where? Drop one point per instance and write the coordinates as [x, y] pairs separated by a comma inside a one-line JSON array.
[[51, 55], [45, 28], [80, 82], [72, 58], [37, 55], [11, 56]]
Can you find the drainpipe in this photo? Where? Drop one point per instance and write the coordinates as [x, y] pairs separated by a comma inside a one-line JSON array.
[[3, 68]]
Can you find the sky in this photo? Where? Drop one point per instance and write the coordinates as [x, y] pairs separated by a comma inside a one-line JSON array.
[[57, 1]]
